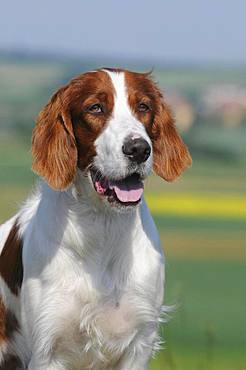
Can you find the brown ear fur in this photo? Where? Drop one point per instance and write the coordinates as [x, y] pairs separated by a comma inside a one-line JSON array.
[[171, 156], [53, 145]]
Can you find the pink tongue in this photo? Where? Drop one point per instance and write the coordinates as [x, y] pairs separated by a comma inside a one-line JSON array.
[[128, 191]]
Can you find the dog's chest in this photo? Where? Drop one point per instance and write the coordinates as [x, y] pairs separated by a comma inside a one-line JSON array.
[[109, 299], [113, 319], [99, 329]]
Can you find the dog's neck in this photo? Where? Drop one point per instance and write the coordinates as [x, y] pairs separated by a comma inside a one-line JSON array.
[[68, 219], [72, 215]]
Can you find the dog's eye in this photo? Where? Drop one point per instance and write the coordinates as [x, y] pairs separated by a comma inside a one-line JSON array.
[[95, 108], [142, 107]]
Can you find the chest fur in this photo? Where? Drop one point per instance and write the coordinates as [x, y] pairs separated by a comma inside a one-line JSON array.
[[100, 327], [103, 308]]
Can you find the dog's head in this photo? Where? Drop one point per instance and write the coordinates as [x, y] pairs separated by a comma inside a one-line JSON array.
[[113, 126]]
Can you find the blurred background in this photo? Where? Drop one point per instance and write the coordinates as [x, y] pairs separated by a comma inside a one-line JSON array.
[[198, 55]]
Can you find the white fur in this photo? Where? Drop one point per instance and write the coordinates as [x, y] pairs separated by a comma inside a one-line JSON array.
[[93, 277]]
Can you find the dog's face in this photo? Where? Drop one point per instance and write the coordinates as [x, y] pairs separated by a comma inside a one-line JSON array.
[[114, 126]]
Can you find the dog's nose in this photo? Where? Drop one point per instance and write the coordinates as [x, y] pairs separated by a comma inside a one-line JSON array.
[[137, 150]]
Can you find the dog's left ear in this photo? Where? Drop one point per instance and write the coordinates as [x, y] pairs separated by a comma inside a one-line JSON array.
[[171, 156]]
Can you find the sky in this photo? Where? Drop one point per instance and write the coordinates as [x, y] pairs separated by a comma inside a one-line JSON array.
[[163, 30]]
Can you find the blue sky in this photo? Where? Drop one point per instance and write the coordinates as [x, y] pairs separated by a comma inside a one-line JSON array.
[[180, 30]]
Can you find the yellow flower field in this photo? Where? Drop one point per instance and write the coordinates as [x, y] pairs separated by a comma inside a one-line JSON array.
[[212, 205]]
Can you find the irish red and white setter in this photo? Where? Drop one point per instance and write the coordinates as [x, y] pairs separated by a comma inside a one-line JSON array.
[[81, 266]]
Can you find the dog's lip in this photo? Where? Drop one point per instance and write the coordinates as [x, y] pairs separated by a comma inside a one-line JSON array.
[[125, 190]]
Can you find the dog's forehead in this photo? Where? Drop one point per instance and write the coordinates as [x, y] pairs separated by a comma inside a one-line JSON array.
[[116, 82], [127, 84], [140, 82], [92, 82], [132, 81], [89, 84], [120, 92]]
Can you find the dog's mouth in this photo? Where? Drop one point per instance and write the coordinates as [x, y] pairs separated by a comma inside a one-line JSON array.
[[126, 191]]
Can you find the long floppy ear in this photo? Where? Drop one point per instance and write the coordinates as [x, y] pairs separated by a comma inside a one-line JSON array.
[[53, 145], [171, 156]]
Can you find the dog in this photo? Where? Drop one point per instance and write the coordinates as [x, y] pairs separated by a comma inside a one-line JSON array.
[[81, 265]]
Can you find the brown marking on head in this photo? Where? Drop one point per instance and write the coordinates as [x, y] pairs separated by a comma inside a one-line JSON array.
[[11, 268], [141, 90], [171, 156], [91, 88], [11, 362], [66, 129], [8, 323]]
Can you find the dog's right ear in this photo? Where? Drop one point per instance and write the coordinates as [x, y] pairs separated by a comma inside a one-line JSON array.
[[53, 144]]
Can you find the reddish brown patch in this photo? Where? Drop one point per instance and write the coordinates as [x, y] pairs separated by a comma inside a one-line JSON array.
[[8, 323], [11, 268], [142, 90], [65, 132], [171, 156], [11, 362], [53, 144], [88, 89]]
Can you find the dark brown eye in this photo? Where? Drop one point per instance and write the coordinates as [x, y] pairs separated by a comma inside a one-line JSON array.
[[95, 109], [142, 107]]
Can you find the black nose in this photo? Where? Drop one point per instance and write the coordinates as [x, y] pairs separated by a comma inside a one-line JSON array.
[[137, 150]]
